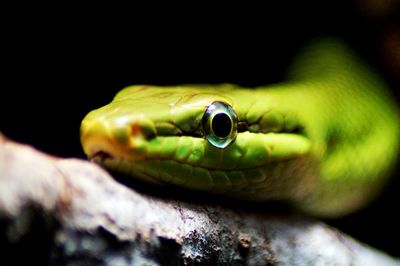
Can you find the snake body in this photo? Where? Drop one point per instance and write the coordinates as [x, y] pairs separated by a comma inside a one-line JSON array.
[[324, 140]]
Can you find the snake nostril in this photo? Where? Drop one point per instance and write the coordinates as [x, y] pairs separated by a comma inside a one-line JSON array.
[[143, 129], [135, 130]]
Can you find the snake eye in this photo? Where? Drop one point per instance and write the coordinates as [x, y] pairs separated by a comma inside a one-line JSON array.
[[219, 124]]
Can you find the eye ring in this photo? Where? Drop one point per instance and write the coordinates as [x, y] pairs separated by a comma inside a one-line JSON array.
[[219, 124]]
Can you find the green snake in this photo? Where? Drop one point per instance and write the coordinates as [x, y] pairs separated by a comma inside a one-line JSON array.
[[324, 140]]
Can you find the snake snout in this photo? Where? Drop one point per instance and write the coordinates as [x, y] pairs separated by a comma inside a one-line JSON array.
[[97, 142]]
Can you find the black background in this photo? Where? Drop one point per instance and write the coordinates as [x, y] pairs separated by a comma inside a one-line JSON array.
[[58, 65]]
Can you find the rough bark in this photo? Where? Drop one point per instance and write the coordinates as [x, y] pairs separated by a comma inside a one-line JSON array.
[[72, 212]]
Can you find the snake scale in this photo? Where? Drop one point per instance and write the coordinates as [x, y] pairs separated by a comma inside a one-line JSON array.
[[324, 140]]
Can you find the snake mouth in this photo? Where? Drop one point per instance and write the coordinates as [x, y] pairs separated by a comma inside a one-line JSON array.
[[100, 156]]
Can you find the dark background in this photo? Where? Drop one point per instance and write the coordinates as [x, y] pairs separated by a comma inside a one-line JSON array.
[[57, 66]]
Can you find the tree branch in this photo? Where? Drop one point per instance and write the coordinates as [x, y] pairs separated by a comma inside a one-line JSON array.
[[89, 218]]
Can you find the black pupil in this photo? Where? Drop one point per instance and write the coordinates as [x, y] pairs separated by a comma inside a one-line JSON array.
[[221, 125]]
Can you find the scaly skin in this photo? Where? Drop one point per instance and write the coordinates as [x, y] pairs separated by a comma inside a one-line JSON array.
[[325, 140]]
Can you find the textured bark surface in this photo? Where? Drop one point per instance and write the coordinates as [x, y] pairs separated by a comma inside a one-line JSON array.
[[72, 212]]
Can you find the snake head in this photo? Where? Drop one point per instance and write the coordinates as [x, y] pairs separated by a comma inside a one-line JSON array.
[[201, 137]]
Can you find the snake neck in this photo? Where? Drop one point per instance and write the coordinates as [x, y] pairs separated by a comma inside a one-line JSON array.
[[353, 123]]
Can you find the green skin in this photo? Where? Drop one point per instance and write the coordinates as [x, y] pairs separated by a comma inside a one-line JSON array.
[[325, 140]]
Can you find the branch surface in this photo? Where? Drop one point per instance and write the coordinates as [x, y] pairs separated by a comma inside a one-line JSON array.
[[95, 220]]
